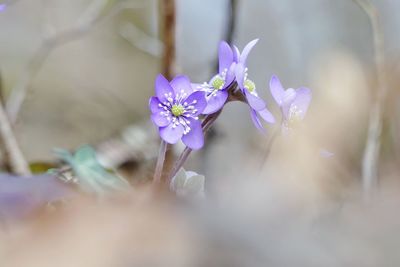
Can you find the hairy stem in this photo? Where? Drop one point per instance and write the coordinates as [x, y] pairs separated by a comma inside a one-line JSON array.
[[160, 162], [271, 141], [206, 125]]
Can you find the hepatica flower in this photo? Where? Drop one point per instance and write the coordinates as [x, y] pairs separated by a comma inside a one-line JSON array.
[[248, 87], [232, 67], [175, 109], [292, 102], [216, 89]]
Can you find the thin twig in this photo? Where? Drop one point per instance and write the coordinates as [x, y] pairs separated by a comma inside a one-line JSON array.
[[94, 14], [270, 143], [14, 154], [141, 40], [230, 29], [231, 25], [370, 164]]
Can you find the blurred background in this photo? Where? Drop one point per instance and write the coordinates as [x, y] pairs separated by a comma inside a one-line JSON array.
[[93, 87]]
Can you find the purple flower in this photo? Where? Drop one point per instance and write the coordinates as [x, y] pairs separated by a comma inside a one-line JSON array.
[[326, 153], [293, 103], [175, 110], [248, 87], [20, 197], [232, 67], [216, 88]]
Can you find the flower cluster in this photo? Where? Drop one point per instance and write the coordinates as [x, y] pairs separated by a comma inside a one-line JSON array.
[[233, 67], [177, 105]]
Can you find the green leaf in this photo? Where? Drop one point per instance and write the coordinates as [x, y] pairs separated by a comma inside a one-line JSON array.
[[40, 167], [92, 176], [188, 183], [195, 184], [178, 181]]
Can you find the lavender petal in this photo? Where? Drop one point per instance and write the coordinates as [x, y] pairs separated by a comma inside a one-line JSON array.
[[216, 102], [194, 139]]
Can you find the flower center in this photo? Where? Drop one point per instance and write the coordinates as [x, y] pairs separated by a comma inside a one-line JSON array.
[[218, 83], [249, 85], [177, 110], [295, 117]]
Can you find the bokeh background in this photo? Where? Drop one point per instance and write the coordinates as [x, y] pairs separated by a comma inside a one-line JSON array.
[[95, 90]]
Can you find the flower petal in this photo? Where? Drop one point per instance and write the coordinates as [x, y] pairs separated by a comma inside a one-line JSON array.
[[326, 153], [194, 139], [266, 115], [159, 119], [246, 51], [236, 54], [276, 90], [287, 100], [170, 134], [225, 56], [21, 197], [181, 84], [197, 87], [254, 101], [216, 102], [239, 74], [230, 75], [153, 104], [302, 100], [163, 88], [201, 103], [256, 120], [288, 96]]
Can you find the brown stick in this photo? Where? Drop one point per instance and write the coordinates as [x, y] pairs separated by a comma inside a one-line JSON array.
[[370, 164], [169, 23]]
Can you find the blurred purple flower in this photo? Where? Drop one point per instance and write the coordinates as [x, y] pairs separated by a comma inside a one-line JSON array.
[[3, 7], [22, 196], [175, 110], [326, 153], [293, 103]]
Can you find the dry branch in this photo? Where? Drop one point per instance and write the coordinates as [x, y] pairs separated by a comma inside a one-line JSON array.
[[370, 163]]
